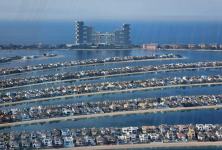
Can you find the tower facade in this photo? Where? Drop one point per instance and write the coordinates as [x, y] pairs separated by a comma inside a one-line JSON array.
[[86, 35], [79, 32], [126, 34]]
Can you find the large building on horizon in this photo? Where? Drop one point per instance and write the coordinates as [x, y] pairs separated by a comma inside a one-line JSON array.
[[86, 35]]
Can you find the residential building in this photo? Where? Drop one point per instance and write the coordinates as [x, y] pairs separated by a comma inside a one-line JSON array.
[[47, 141], [79, 141], [152, 46], [143, 138], [68, 142], [203, 45], [65, 132], [129, 130], [89, 140], [36, 143], [57, 141], [100, 140], [214, 45]]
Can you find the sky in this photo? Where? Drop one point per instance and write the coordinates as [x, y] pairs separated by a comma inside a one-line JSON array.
[[111, 9]]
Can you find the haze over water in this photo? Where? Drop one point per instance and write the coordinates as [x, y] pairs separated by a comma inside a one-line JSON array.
[[63, 32]]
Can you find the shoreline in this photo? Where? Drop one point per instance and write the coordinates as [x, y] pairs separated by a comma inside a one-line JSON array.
[[108, 49], [44, 57], [110, 114], [92, 65], [23, 60], [105, 76], [109, 92], [68, 49], [150, 145], [204, 50]]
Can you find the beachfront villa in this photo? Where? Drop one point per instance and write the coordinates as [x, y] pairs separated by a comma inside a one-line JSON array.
[[68, 142]]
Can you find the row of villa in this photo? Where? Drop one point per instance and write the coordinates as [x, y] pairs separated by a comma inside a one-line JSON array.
[[20, 69], [52, 111], [13, 82], [105, 87], [112, 135]]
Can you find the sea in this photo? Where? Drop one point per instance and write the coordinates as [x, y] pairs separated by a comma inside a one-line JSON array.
[[162, 32], [63, 32]]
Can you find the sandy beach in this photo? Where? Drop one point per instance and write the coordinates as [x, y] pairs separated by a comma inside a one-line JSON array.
[[151, 145], [107, 76], [96, 64], [109, 92], [111, 114]]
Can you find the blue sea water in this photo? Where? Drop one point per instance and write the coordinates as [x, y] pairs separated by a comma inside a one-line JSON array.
[[63, 32]]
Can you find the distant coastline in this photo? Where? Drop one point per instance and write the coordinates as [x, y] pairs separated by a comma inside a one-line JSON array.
[[69, 49], [216, 50]]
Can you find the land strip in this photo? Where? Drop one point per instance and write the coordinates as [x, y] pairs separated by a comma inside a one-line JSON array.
[[111, 114], [72, 49], [151, 145], [216, 50], [107, 76], [44, 57], [114, 91], [95, 64]]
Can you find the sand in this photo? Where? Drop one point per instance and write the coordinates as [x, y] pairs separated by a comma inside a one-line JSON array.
[[151, 145]]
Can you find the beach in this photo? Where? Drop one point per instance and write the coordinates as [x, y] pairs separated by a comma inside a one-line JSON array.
[[151, 145]]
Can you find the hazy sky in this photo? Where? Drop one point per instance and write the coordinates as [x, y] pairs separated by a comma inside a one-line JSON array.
[[111, 9]]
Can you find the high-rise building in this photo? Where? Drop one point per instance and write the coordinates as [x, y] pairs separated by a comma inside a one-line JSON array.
[[86, 35]]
